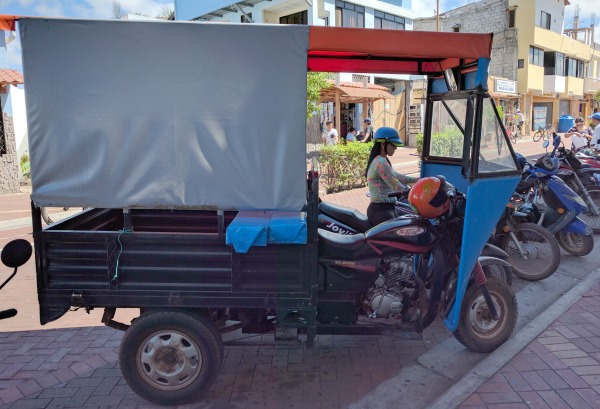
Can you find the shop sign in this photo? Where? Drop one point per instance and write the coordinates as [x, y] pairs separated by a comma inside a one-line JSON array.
[[509, 87], [539, 117]]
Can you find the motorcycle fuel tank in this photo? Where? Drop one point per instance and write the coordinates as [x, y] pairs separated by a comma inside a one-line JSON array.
[[412, 234]]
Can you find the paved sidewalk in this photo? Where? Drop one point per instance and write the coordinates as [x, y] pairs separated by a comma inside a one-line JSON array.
[[73, 362]]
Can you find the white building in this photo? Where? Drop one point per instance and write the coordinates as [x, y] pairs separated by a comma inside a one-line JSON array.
[[392, 14]]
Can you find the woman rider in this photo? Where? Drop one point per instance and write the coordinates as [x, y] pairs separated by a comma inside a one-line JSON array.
[[382, 179]]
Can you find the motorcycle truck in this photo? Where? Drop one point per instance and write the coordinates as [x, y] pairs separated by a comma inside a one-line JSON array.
[[203, 217]]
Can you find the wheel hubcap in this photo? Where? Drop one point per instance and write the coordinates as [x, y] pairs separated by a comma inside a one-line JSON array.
[[169, 360], [480, 318]]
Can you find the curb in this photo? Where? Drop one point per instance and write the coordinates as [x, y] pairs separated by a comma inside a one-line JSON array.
[[491, 364]]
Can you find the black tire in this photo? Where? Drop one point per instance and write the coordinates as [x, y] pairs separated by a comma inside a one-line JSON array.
[[500, 272], [542, 252], [537, 136], [575, 243], [591, 219], [476, 330], [513, 138], [429, 274], [170, 357]]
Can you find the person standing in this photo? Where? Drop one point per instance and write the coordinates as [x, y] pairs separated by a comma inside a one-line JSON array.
[[580, 135], [331, 136], [596, 134], [367, 135]]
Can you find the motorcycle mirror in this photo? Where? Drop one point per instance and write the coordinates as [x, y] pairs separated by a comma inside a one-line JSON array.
[[545, 144], [16, 253]]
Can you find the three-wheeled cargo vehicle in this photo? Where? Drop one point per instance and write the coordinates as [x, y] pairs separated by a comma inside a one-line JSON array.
[[185, 142]]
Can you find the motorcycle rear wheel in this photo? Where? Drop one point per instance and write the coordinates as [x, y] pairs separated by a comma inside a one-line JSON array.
[[581, 245], [476, 329], [542, 252], [591, 219]]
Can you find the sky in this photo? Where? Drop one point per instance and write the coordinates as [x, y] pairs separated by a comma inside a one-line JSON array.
[[103, 9]]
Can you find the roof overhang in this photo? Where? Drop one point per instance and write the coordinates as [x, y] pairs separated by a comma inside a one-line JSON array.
[[342, 49], [12, 77], [349, 94]]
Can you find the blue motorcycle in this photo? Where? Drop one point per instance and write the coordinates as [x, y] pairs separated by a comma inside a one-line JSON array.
[[549, 202]]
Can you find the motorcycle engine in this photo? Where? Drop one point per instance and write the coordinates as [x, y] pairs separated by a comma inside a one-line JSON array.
[[384, 299]]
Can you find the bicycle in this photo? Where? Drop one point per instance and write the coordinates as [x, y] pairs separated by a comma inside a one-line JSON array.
[[543, 132]]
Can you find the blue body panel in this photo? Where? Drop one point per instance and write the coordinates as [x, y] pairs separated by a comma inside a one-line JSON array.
[[486, 200], [578, 226], [569, 199], [451, 172]]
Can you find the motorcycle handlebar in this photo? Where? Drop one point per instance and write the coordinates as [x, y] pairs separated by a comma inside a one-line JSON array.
[[8, 313]]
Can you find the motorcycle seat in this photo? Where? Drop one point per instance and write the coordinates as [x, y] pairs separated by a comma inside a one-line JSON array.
[[339, 245], [350, 217]]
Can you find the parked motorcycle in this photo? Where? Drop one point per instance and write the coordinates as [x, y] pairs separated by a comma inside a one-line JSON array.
[[345, 220], [14, 255], [377, 266], [581, 181], [549, 202]]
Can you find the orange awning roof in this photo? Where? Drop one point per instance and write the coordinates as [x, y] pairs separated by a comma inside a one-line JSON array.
[[12, 77], [350, 94]]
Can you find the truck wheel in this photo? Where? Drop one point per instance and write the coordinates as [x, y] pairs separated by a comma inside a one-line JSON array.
[[170, 357], [476, 330]]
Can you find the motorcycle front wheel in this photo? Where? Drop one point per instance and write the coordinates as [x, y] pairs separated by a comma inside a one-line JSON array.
[[540, 255], [476, 329], [575, 243], [591, 218]]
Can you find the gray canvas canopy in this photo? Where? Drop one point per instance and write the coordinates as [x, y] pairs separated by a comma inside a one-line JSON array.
[[128, 114]]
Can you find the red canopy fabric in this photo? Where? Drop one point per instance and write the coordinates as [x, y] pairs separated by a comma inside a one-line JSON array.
[[342, 49]]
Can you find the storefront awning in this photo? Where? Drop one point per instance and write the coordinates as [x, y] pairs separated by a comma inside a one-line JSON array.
[[349, 94]]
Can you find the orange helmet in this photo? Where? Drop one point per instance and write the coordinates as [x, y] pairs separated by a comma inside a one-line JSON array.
[[428, 196]]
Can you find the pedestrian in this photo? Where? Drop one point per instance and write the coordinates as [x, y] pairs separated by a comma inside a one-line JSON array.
[[596, 134], [580, 135], [367, 134], [331, 135], [351, 135], [382, 179]]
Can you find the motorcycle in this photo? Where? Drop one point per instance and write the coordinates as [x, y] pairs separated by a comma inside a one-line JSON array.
[[582, 182], [348, 221], [14, 255], [377, 265], [549, 202], [533, 251]]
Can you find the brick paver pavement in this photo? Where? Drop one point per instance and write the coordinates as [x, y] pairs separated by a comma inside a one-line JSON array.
[[559, 369]]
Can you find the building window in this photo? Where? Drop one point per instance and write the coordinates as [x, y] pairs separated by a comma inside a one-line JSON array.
[[521, 63], [245, 19], [388, 21], [511, 18], [296, 18], [349, 15], [456, 28], [574, 68], [554, 63], [545, 20], [536, 56]]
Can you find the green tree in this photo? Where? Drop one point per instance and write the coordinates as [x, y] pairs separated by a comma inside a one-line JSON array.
[[315, 82], [597, 97]]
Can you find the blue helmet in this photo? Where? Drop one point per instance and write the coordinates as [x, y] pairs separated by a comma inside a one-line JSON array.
[[387, 134]]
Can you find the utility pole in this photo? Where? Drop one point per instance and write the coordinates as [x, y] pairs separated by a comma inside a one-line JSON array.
[[437, 15]]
